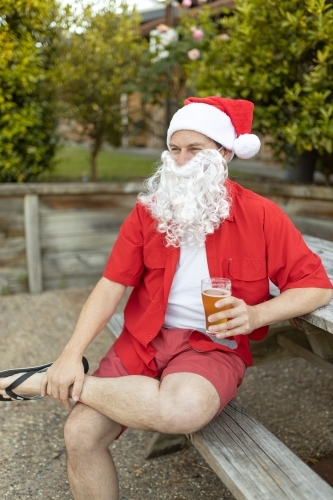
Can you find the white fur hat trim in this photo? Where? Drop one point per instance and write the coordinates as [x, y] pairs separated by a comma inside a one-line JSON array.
[[206, 120], [246, 146], [215, 124]]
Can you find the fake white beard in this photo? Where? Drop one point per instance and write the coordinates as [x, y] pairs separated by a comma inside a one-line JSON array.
[[188, 202]]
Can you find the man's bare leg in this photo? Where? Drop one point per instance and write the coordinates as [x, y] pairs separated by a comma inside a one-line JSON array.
[[90, 468], [182, 403]]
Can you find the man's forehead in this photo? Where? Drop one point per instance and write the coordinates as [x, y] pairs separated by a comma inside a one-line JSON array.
[[189, 138]]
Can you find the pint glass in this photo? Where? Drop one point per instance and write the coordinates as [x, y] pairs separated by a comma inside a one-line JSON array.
[[212, 290]]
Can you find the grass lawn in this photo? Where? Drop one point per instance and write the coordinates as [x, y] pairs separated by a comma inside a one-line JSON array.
[[73, 163]]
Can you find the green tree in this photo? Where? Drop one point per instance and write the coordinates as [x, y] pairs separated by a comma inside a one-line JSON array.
[[100, 61], [279, 54], [29, 34]]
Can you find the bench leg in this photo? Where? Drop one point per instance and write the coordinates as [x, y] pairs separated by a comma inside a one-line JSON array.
[[163, 444]]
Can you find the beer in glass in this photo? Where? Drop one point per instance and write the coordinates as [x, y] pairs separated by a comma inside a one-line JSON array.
[[212, 290]]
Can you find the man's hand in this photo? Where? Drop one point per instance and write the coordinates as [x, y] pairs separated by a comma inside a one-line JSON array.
[[241, 318], [67, 371]]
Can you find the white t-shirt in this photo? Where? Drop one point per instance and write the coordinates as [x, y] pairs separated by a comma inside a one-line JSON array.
[[185, 308]]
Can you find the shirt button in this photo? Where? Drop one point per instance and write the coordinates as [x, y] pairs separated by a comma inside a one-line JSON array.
[[150, 336], [151, 353]]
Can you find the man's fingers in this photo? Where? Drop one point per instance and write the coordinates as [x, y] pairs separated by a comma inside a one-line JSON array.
[[43, 387], [64, 394], [77, 389], [53, 390], [228, 300], [60, 378], [231, 328], [226, 314]]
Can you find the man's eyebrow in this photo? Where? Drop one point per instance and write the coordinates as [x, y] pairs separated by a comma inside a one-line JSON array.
[[188, 145]]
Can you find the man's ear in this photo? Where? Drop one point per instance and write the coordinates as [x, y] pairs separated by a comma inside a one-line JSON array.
[[227, 154]]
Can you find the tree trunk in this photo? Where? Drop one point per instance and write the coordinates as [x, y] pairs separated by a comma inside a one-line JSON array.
[[169, 15], [96, 147], [325, 166]]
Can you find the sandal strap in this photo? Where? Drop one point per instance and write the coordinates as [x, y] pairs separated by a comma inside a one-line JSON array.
[[25, 376], [4, 399], [19, 381]]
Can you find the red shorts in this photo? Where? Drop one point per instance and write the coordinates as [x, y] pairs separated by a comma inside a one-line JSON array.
[[174, 354]]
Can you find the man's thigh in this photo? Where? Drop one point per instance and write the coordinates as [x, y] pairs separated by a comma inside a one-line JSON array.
[[223, 370], [218, 374], [191, 381]]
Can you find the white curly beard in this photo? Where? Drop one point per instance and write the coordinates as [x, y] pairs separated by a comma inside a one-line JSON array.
[[191, 201]]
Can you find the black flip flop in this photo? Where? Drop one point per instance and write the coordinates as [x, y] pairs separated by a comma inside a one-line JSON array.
[[28, 372]]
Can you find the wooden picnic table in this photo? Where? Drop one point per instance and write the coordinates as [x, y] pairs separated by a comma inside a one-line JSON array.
[[248, 458], [252, 462], [317, 344]]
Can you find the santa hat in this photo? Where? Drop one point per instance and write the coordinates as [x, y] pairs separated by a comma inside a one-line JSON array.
[[226, 121]]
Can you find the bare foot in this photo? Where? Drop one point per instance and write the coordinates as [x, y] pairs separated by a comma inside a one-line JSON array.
[[28, 388]]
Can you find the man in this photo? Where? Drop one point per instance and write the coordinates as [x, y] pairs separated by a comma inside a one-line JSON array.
[[164, 373]]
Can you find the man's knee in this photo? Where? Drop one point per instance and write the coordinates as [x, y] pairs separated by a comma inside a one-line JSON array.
[[186, 412], [86, 430]]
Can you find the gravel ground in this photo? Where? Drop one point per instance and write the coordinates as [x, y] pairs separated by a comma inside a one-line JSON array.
[[291, 398]]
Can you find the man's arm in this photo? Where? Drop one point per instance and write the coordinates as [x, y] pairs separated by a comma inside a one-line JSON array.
[[243, 319], [68, 369]]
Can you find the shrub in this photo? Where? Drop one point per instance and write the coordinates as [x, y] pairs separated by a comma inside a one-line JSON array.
[[28, 40]]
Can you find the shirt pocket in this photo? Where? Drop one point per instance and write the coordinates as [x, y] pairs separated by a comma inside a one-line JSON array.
[[155, 259], [247, 269]]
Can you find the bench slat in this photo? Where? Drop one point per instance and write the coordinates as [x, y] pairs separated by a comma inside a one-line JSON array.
[[116, 324], [253, 463]]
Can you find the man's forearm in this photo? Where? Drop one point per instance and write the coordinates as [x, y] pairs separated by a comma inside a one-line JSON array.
[[290, 304], [95, 314], [243, 319]]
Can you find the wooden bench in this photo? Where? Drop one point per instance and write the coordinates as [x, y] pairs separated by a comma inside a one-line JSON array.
[[250, 460]]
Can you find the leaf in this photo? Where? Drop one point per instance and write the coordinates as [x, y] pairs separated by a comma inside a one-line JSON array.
[[140, 470]]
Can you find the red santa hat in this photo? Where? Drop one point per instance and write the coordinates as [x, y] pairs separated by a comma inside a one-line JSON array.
[[226, 121]]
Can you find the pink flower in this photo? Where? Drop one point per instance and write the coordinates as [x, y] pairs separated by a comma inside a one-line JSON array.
[[197, 34], [186, 3], [193, 54]]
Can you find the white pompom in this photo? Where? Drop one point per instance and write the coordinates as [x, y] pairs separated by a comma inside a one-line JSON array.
[[246, 146]]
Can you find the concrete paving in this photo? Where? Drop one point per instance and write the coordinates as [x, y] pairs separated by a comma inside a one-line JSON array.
[[291, 398]]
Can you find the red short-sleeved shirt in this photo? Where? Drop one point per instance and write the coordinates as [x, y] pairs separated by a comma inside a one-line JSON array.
[[256, 243]]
